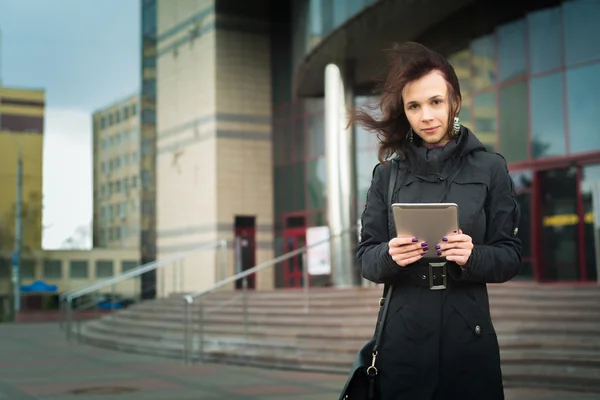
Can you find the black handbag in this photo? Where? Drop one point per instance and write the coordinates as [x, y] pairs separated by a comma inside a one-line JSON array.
[[362, 384]]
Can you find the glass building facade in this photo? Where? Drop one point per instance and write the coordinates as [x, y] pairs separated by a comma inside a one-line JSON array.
[[148, 144], [531, 91]]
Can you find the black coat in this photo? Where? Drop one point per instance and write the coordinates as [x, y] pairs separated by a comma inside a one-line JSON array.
[[441, 344]]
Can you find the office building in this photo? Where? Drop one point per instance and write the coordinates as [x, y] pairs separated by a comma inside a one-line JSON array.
[[240, 118], [21, 133], [116, 170]]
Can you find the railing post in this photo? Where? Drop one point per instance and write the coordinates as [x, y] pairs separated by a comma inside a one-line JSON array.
[[78, 324], [61, 313], [181, 268], [223, 259], [245, 305], [69, 317], [161, 283], [175, 283], [201, 329], [113, 301], [187, 321], [305, 282]]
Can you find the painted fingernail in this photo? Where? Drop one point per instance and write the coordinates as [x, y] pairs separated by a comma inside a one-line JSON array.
[[426, 249], [423, 254], [438, 247], [415, 240], [444, 239], [424, 244], [439, 253]]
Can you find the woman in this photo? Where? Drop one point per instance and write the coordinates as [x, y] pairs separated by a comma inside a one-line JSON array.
[[437, 344]]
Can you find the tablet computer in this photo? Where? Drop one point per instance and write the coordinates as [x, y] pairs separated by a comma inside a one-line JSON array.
[[429, 222]]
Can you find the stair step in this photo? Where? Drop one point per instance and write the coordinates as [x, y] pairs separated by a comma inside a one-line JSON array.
[[539, 372], [548, 335], [160, 331]]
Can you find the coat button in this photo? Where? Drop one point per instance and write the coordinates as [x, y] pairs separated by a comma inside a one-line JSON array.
[[423, 277], [477, 329]]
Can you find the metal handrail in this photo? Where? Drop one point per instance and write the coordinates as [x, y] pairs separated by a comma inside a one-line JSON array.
[[142, 269], [66, 300], [189, 298]]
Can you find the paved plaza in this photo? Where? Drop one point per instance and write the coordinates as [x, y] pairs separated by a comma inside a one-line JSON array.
[[37, 363]]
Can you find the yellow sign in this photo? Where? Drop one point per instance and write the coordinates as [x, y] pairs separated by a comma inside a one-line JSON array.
[[567, 219]]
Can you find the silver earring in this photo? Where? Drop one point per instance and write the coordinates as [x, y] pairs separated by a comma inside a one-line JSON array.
[[456, 125], [409, 135]]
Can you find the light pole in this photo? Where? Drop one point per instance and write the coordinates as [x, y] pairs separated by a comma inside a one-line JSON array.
[[16, 256]]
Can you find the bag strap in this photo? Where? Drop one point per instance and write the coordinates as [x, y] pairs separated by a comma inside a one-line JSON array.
[[387, 289]]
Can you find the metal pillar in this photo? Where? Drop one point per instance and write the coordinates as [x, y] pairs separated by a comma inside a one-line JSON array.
[[16, 259], [341, 187]]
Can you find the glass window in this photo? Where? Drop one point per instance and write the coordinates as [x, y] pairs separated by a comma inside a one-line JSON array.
[[581, 30], [340, 12], [315, 183], [465, 115], [559, 229], [461, 61], [279, 187], [514, 121], [27, 269], [590, 190], [547, 120], [316, 134], [288, 189], [365, 140], [545, 51], [299, 136], [354, 6], [104, 269], [484, 118], [148, 117], [365, 162], [300, 186], [52, 269], [483, 63], [522, 180], [78, 269], [288, 141], [511, 51], [315, 22], [316, 218], [583, 99], [327, 17], [524, 200], [277, 141], [128, 265], [5, 268]]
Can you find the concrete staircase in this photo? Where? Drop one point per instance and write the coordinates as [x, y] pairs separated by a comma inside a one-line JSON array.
[[549, 335]]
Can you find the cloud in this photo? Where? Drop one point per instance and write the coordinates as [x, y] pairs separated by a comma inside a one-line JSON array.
[[67, 175]]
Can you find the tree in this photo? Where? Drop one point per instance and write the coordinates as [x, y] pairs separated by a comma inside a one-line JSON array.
[[80, 240]]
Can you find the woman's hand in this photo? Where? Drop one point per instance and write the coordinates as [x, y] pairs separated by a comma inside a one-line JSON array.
[[406, 250], [456, 248]]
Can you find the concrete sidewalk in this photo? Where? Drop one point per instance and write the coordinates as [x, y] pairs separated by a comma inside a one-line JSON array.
[[37, 363]]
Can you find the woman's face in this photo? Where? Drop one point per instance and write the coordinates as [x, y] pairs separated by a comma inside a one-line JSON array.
[[427, 107]]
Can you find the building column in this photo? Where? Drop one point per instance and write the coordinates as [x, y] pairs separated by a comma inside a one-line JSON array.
[[341, 187]]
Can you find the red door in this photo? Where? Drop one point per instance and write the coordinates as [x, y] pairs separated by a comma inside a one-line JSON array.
[[294, 238]]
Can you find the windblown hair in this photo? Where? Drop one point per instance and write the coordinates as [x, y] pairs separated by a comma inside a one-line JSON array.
[[406, 63]]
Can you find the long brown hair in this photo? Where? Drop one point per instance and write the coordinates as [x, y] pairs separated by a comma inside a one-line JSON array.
[[406, 63]]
